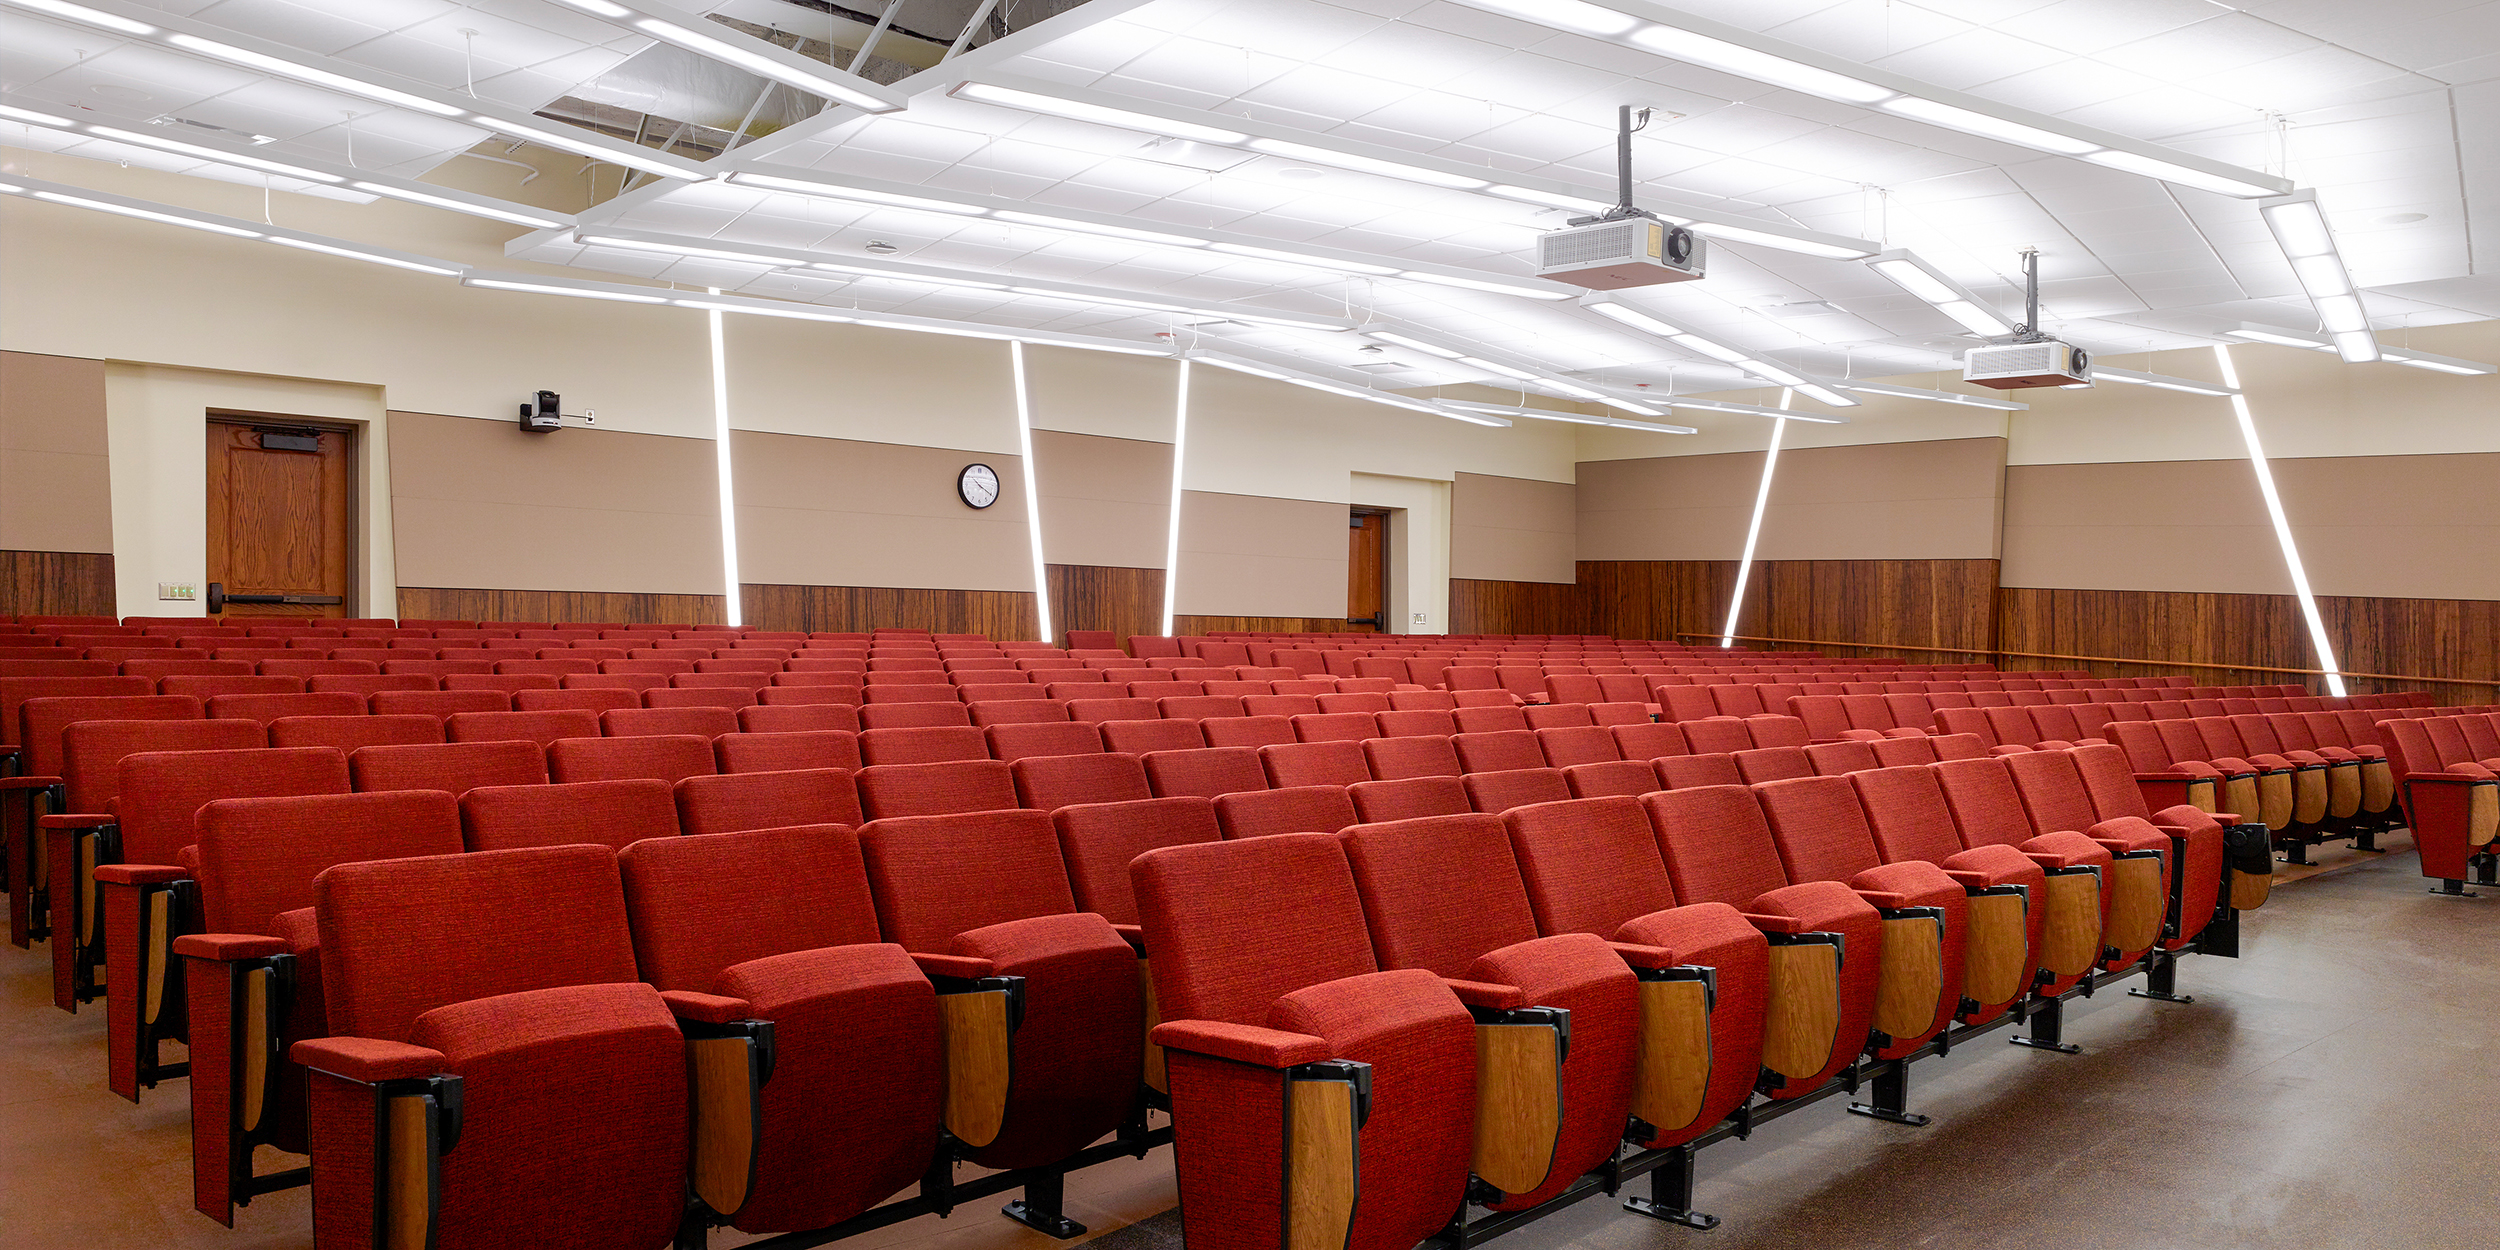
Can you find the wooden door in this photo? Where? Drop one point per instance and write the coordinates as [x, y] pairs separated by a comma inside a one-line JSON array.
[[281, 510], [1367, 570]]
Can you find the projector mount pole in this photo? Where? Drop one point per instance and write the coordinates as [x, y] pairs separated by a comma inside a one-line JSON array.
[[2029, 330], [1625, 124]]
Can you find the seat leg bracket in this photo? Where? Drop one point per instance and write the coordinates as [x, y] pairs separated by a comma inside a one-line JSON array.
[[1891, 1087], [1670, 1197], [1039, 1209]]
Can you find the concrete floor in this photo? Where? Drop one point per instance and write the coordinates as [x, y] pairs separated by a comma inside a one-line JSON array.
[[2332, 1089]]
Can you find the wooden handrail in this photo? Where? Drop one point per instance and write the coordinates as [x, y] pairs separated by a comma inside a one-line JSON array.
[[2096, 659]]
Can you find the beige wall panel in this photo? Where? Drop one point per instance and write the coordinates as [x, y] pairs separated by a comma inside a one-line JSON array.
[[1667, 508], [1508, 529], [482, 505], [2180, 525], [868, 384], [1246, 555], [1105, 501], [836, 512], [1103, 393], [2399, 527], [1931, 500], [55, 489]]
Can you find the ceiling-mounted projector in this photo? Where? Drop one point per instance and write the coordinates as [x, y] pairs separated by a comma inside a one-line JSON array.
[[2031, 358], [1625, 246]]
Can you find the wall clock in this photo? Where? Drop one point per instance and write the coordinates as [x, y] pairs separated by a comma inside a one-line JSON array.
[[978, 484]]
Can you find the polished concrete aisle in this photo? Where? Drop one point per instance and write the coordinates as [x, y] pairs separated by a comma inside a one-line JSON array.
[[2334, 1089]]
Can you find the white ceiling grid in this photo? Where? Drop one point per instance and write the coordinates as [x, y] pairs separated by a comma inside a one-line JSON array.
[[2381, 107]]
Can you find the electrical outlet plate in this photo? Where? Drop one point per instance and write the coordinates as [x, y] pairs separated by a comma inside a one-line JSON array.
[[1419, 618], [179, 592]]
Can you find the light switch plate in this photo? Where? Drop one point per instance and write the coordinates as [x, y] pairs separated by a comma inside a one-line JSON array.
[[178, 591]]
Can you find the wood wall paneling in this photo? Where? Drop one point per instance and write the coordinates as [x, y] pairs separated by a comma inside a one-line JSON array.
[[622, 607], [56, 583], [1654, 599], [1092, 596], [1914, 603], [1186, 626], [1492, 607], [1001, 614]]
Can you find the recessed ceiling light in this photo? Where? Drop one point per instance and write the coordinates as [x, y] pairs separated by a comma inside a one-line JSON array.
[[882, 248], [2403, 219], [1299, 172]]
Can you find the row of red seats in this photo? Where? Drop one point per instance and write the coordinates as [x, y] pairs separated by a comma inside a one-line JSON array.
[[2447, 769]]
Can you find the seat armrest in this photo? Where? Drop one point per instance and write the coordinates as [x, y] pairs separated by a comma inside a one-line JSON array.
[[1133, 934], [1776, 924], [705, 1008], [366, 1060], [140, 874], [1646, 956], [1884, 900], [229, 947], [1241, 1043], [1485, 994], [72, 820], [1967, 880], [28, 783], [961, 967]]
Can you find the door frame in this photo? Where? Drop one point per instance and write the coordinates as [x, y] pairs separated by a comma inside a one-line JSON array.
[[1386, 623], [354, 433]]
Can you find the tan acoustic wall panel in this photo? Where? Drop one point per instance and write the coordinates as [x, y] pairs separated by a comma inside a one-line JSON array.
[[1105, 501], [55, 492], [1667, 507], [1509, 529], [481, 505], [1252, 556], [2179, 525], [1933, 500], [837, 512], [2398, 527]]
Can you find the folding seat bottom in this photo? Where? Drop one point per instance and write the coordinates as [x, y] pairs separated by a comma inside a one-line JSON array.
[[1580, 974], [1815, 907], [1917, 949], [1994, 975], [1080, 1052], [1714, 935]]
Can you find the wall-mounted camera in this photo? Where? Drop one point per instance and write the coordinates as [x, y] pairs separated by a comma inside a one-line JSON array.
[[544, 414]]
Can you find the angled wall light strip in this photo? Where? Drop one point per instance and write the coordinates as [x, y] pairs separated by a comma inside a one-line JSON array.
[[2282, 526], [231, 227], [2300, 228], [1568, 418], [1941, 397], [732, 592], [1279, 373], [179, 34], [2307, 341], [940, 276], [2162, 381], [1248, 134], [1733, 50], [693, 33], [1032, 490], [303, 169], [1753, 528], [1906, 270], [1180, 453], [861, 191], [1648, 323]]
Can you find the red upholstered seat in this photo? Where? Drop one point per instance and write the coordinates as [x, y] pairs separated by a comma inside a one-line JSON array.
[[1413, 722], [593, 699], [514, 972], [801, 717], [1988, 811], [1247, 731], [851, 1114], [258, 859], [1618, 777], [1649, 741], [668, 758], [1499, 751], [452, 767], [268, 707], [913, 715], [990, 891], [1098, 841], [439, 704], [1685, 772], [705, 722], [1243, 1010], [1014, 742], [2196, 837], [1337, 762], [922, 745], [1772, 764], [1205, 772], [1049, 782], [1409, 798], [1391, 759], [937, 789], [734, 802], [2054, 798], [614, 813], [1498, 792], [1292, 809], [1718, 849], [781, 751], [1577, 744], [539, 727], [1144, 737]]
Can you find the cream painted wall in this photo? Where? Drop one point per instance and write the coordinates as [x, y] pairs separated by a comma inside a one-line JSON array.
[[1104, 393], [1252, 436], [1419, 548], [1878, 419], [865, 384], [154, 418]]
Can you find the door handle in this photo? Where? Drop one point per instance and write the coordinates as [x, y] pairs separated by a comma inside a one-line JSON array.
[[218, 599]]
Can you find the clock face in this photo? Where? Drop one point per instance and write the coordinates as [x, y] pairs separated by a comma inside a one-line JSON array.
[[978, 485]]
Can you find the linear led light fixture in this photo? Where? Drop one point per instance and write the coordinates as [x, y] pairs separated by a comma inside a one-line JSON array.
[[1068, 221], [245, 156], [1905, 269], [731, 592], [1032, 491], [1731, 50], [1200, 126], [1568, 418], [1172, 542], [2163, 381], [2300, 228], [1626, 315], [1753, 528], [1279, 374], [231, 227], [2308, 341], [2282, 526], [1753, 410], [1942, 397], [165, 30], [801, 259], [1572, 390], [713, 41]]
